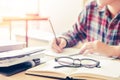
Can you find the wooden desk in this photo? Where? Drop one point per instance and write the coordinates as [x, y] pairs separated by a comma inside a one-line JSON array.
[[22, 76], [26, 19]]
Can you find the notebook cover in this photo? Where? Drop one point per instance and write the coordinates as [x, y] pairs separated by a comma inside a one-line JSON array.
[[11, 70]]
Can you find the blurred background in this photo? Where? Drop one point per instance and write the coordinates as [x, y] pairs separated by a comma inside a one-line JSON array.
[[63, 14]]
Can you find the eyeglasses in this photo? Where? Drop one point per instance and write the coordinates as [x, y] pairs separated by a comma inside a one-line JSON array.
[[71, 62]]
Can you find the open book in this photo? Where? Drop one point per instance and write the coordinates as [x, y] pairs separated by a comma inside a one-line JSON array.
[[109, 69]]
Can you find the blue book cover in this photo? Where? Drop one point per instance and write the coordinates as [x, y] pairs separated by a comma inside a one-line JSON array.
[[11, 70]]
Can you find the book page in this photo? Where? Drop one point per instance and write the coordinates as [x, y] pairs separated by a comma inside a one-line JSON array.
[[49, 70], [109, 68]]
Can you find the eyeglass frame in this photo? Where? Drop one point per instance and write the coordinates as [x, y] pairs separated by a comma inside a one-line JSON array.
[[76, 65]]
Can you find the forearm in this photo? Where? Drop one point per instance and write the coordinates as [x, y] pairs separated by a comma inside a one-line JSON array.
[[73, 37]]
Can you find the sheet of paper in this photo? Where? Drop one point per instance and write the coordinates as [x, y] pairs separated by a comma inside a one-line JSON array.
[[66, 52], [75, 52]]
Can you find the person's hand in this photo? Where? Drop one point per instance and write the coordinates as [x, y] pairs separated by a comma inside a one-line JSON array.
[[96, 47], [58, 47]]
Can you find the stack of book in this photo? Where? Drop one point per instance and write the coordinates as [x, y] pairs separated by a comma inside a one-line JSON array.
[[15, 61]]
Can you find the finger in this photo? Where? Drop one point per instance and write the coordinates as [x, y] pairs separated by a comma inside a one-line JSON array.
[[57, 51], [88, 51], [82, 49], [56, 47], [62, 44]]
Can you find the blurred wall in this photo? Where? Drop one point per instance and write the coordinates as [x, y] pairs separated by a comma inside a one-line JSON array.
[[63, 13]]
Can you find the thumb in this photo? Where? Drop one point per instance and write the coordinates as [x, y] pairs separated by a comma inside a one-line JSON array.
[[62, 44]]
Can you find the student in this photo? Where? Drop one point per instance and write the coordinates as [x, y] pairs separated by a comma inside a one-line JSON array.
[[99, 25]]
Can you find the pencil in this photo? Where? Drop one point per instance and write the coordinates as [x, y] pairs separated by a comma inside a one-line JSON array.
[[53, 32]]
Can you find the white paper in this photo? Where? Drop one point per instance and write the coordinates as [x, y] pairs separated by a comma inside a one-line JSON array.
[[66, 52]]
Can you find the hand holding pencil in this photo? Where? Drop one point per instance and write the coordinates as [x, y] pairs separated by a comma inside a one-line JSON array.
[[58, 44]]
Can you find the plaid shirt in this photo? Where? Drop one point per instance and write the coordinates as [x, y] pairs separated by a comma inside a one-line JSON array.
[[94, 24]]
